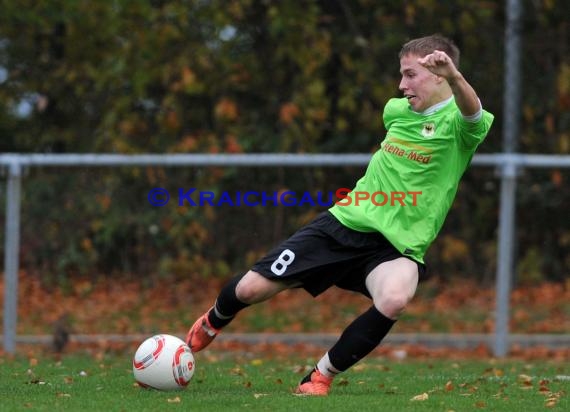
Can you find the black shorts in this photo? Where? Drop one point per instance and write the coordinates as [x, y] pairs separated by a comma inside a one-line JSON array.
[[326, 253]]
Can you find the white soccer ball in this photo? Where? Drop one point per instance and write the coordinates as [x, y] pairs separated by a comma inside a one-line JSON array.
[[163, 362]]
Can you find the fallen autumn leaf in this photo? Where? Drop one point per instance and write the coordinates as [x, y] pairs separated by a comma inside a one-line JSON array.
[[423, 397]]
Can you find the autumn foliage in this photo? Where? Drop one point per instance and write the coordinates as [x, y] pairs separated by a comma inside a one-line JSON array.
[[130, 307]]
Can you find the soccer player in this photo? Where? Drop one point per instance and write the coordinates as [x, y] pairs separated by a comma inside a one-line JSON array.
[[358, 245]]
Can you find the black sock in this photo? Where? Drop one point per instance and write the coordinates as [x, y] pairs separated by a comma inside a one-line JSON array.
[[360, 338], [227, 305]]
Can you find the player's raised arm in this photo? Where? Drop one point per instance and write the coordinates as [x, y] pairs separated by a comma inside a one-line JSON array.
[[440, 63]]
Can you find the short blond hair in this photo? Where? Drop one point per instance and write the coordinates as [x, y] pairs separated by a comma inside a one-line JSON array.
[[426, 45]]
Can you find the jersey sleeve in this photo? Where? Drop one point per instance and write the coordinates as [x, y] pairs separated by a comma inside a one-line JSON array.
[[472, 133]]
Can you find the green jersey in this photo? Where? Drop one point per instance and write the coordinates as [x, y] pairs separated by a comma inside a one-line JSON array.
[[411, 181]]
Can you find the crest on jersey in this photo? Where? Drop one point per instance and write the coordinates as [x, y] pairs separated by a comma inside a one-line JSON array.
[[428, 129]]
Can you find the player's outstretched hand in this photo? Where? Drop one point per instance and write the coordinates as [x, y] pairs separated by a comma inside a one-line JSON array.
[[439, 63]]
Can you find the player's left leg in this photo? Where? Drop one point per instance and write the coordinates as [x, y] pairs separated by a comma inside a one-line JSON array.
[[392, 285], [306, 253], [239, 293]]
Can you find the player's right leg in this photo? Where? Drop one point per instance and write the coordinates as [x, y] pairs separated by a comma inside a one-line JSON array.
[[241, 292]]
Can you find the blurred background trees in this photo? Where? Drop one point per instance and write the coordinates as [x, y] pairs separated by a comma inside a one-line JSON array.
[[252, 76]]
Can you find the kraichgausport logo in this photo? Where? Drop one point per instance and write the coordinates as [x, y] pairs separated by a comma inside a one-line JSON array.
[[341, 197]]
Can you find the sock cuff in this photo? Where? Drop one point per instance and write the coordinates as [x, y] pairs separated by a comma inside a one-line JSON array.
[[227, 305], [326, 367], [219, 314]]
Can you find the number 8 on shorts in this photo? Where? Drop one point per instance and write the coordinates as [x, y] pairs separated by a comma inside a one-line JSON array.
[[285, 259]]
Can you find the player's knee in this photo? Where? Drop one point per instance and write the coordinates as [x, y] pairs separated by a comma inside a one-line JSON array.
[[253, 288], [392, 304], [247, 292]]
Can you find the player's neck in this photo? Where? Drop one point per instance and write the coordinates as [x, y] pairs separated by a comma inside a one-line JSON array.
[[434, 108]]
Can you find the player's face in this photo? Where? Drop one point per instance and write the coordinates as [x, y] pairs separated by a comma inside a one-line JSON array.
[[420, 86]]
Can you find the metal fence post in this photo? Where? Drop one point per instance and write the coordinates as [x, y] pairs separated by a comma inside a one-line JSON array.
[[11, 255], [505, 256], [511, 113]]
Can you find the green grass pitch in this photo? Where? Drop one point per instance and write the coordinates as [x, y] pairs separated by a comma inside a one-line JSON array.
[[238, 382]]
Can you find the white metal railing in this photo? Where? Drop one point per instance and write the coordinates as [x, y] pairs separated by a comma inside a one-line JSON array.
[[508, 165]]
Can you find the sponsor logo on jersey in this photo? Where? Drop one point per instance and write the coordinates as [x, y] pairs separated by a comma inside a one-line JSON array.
[[420, 154]]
